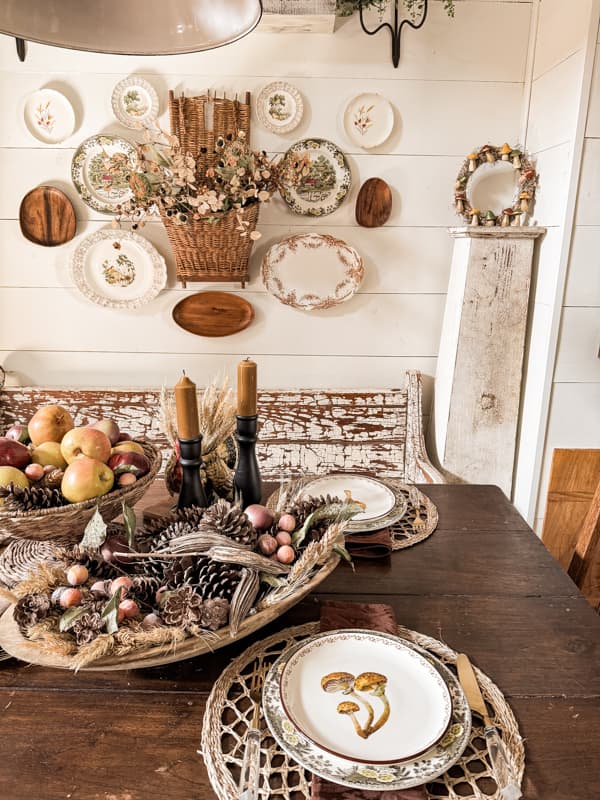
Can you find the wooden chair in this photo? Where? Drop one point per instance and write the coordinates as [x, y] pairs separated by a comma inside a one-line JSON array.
[[585, 563], [302, 431]]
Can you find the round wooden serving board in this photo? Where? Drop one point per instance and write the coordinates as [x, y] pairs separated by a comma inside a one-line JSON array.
[[47, 216], [374, 203], [213, 313]]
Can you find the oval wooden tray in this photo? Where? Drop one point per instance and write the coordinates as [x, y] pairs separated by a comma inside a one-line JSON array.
[[47, 217], [213, 313], [19, 647]]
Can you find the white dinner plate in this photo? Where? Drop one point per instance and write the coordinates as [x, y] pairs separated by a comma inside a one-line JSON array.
[[135, 102], [366, 698], [279, 107], [368, 120], [100, 171], [49, 116]]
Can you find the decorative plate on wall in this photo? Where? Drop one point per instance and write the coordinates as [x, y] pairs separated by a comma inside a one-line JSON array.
[[279, 107], [118, 269], [135, 102], [312, 271], [49, 116], [100, 171], [368, 119], [327, 183]]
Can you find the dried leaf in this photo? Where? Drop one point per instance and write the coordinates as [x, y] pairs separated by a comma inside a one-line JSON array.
[[94, 533], [110, 611], [130, 524], [335, 512], [70, 617]]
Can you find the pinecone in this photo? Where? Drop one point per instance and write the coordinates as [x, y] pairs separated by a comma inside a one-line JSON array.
[[182, 607], [210, 579], [228, 520], [52, 479], [87, 627], [303, 508], [33, 498], [144, 589], [215, 614], [94, 563], [30, 609]]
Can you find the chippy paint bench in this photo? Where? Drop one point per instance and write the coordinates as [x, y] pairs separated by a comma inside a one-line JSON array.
[[302, 431]]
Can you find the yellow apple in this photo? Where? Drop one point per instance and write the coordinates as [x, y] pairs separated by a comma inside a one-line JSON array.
[[49, 424], [13, 475], [48, 454], [88, 442], [86, 478], [128, 447]]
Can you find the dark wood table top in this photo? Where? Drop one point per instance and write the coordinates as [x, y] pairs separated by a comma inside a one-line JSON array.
[[483, 583]]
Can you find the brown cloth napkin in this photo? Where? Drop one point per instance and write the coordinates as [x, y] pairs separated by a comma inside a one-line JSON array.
[[369, 545], [374, 617]]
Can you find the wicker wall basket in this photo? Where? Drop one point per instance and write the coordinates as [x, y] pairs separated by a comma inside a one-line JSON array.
[[213, 251], [66, 523]]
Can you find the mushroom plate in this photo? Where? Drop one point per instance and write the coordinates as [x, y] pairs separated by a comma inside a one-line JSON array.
[[365, 696]]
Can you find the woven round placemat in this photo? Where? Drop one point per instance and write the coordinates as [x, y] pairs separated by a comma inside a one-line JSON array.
[[419, 521], [228, 716], [21, 556]]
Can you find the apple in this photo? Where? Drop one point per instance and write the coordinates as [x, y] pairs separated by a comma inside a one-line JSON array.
[[18, 433], [85, 478], [13, 475], [124, 437], [49, 424], [13, 454], [128, 447], [85, 442], [132, 462], [109, 427], [48, 454]]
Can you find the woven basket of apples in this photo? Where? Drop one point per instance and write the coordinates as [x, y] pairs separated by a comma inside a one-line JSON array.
[[53, 474]]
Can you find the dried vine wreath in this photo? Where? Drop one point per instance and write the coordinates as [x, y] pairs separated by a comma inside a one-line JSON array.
[[523, 201]]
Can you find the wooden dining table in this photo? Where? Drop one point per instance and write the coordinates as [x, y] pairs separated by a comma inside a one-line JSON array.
[[483, 583]]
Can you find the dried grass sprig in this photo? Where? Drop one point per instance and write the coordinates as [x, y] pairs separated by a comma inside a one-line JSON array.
[[8, 597], [43, 581]]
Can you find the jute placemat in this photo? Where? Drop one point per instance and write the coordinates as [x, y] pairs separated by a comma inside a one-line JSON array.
[[229, 712]]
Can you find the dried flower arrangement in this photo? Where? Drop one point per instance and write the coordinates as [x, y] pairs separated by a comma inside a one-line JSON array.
[[196, 573]]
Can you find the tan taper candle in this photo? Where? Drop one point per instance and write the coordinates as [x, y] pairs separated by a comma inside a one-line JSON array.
[[186, 405], [246, 388]]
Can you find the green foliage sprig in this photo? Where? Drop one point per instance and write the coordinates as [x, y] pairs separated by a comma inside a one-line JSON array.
[[345, 8]]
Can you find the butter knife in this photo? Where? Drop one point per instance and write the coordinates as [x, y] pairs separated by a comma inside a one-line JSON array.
[[501, 768]]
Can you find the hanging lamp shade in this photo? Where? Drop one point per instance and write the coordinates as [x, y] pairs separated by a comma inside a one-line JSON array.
[[130, 27]]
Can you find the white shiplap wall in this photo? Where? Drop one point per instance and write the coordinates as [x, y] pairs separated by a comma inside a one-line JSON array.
[[460, 84]]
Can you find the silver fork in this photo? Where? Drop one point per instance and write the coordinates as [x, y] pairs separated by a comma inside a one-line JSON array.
[[419, 524], [250, 776]]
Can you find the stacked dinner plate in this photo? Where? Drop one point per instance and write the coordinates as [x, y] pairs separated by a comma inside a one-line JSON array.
[[366, 710]]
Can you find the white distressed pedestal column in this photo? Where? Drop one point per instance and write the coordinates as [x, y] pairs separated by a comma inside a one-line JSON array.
[[480, 363]]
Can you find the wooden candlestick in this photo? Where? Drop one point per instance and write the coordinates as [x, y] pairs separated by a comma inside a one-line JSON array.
[[246, 388]]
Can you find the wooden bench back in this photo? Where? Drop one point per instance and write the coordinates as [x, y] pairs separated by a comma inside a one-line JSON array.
[[302, 432]]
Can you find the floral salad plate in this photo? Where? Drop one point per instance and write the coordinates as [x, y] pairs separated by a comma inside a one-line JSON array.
[[279, 107], [135, 102], [327, 180], [100, 172], [368, 120], [49, 116], [296, 696], [384, 502], [118, 269], [312, 271]]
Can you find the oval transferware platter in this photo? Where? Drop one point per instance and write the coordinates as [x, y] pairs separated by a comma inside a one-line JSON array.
[[326, 183], [134, 102], [312, 271], [359, 773], [368, 120], [100, 171], [118, 269], [279, 107], [49, 116]]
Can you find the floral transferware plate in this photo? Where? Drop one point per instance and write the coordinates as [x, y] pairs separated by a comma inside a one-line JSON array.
[[49, 116], [118, 269], [358, 774], [279, 107], [327, 183], [365, 698], [100, 171], [135, 102], [385, 503], [312, 271], [368, 120]]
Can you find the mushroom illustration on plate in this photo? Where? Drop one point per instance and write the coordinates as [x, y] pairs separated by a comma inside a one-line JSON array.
[[375, 684], [350, 708], [367, 682], [344, 682]]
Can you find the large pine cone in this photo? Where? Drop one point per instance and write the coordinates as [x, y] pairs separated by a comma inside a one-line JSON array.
[[33, 498], [144, 589], [30, 609], [303, 508], [87, 627], [228, 520], [210, 579], [182, 607]]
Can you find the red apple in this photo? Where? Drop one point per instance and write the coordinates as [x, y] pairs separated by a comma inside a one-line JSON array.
[[108, 427], [82, 442], [49, 424], [13, 454], [85, 478], [132, 462], [124, 437], [18, 433]]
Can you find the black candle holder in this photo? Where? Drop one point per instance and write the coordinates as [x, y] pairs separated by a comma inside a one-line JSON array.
[[247, 485], [192, 491]]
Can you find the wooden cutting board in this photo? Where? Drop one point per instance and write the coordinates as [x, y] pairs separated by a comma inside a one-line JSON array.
[[47, 216], [213, 313], [374, 203]]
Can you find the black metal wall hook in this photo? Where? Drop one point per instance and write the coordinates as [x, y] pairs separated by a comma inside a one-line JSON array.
[[396, 29], [21, 50]]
